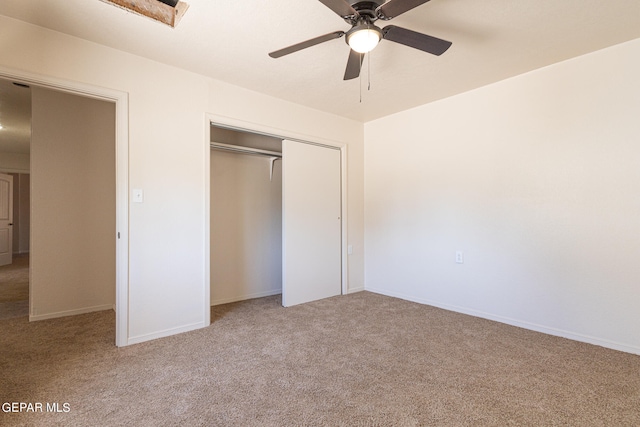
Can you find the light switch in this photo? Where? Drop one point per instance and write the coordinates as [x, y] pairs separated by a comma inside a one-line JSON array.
[[138, 195]]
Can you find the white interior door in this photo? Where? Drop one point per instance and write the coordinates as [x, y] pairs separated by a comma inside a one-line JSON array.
[[6, 219], [311, 223]]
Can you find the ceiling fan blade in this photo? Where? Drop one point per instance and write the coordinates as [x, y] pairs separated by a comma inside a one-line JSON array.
[[354, 65], [341, 7], [306, 44], [393, 8], [416, 40]]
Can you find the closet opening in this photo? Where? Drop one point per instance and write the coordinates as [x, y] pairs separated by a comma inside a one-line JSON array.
[[275, 217], [245, 215]]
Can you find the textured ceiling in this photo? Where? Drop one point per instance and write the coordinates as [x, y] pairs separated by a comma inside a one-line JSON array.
[[229, 40]]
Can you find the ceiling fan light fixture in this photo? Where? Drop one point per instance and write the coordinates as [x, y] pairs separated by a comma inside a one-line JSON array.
[[364, 38]]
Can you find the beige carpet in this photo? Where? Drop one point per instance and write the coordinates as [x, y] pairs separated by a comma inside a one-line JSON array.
[[357, 360], [14, 288]]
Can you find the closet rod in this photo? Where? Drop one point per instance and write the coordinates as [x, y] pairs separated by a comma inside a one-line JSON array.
[[247, 150]]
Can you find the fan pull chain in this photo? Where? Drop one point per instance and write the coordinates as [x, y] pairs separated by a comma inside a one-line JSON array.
[[369, 71]]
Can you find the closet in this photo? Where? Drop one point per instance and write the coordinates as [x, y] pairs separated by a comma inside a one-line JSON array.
[[275, 218]]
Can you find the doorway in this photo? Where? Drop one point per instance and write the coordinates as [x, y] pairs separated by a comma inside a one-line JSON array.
[[14, 245], [73, 225], [15, 139], [117, 212]]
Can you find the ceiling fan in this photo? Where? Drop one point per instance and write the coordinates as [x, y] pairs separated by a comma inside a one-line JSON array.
[[364, 35]]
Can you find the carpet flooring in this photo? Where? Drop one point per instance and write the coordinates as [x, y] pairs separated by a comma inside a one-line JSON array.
[[14, 288], [357, 360]]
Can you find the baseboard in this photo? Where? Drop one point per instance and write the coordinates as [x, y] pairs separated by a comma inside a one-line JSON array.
[[165, 333], [36, 317], [515, 322], [245, 297], [354, 290]]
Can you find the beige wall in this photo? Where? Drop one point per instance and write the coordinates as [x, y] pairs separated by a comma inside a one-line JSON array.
[[73, 204], [537, 180], [246, 227], [14, 162]]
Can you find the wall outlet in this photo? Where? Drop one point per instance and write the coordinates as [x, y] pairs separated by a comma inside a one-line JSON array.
[[459, 257]]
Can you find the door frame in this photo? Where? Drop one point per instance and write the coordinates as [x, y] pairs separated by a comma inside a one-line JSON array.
[[241, 125], [121, 101]]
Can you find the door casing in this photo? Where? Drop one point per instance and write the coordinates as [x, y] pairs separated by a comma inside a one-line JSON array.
[[241, 125]]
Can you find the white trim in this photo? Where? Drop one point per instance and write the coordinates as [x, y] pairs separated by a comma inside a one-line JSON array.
[[121, 99], [104, 307], [166, 333], [207, 220], [358, 289], [243, 125], [237, 124], [122, 219], [247, 297], [343, 210], [514, 322]]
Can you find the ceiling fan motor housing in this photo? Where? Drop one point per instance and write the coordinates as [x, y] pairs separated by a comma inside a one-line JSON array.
[[366, 10], [371, 4]]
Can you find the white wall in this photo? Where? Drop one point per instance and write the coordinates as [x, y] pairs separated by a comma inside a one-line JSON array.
[[73, 250], [166, 160], [537, 180], [246, 227]]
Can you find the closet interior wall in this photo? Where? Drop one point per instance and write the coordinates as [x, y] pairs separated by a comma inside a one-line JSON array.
[[246, 218]]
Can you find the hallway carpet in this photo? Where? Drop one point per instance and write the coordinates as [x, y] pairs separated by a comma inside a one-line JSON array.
[[14, 288]]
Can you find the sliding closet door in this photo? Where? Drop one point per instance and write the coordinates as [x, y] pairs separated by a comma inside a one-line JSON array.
[[311, 224]]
